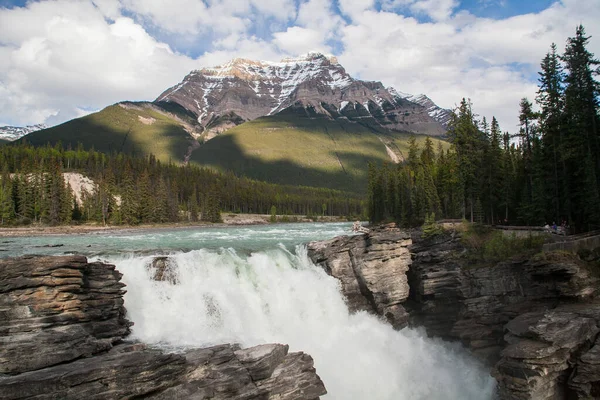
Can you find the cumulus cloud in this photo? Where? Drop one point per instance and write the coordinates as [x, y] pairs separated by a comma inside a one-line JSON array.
[[62, 57], [297, 40], [490, 61], [56, 62]]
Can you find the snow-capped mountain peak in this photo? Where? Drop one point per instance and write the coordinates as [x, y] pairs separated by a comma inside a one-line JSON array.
[[441, 115], [11, 133], [242, 89]]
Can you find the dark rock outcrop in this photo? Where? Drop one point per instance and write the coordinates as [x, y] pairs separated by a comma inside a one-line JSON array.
[[371, 268], [57, 309], [62, 336], [472, 304], [162, 269], [534, 318], [549, 355]]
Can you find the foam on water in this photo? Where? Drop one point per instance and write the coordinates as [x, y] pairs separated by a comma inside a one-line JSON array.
[[280, 296]]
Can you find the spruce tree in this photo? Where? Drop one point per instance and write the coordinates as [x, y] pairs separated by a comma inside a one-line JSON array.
[[550, 100], [582, 141], [7, 205], [466, 141]]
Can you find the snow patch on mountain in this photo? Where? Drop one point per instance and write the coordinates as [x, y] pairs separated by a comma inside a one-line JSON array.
[[11, 133], [243, 90], [441, 115]]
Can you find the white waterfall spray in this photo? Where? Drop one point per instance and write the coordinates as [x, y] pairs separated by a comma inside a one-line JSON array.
[[277, 296]]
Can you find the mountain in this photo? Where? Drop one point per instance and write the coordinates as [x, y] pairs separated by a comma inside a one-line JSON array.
[[302, 121], [441, 115], [243, 90], [10, 133], [166, 130]]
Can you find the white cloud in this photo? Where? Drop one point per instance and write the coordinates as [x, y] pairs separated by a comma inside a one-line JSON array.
[[64, 56], [74, 58], [353, 8], [297, 40], [319, 15], [464, 56], [438, 10]]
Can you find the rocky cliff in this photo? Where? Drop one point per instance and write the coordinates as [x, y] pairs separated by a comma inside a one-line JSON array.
[[372, 270], [534, 319], [63, 335], [242, 90]]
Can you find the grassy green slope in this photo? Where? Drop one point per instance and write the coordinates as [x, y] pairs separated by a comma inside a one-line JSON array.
[[127, 127], [288, 149]]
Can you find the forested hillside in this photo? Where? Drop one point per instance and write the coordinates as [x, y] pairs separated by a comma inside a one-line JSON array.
[[547, 172], [132, 190], [309, 151]]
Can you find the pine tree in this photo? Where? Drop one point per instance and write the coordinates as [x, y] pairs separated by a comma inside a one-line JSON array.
[[550, 100], [7, 205], [527, 135], [582, 140], [129, 199], [466, 141], [211, 210], [193, 206], [495, 175]]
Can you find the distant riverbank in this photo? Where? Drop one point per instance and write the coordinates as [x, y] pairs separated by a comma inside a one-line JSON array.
[[228, 219]]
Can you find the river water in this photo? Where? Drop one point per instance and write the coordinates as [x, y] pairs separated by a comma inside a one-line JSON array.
[[254, 285]]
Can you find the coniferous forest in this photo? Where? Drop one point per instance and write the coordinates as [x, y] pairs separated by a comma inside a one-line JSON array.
[[547, 172], [132, 190]]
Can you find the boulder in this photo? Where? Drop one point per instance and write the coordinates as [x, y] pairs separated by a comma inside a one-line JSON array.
[[472, 303], [163, 269]]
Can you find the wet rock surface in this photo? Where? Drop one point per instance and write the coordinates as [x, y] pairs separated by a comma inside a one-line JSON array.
[[63, 335], [535, 318]]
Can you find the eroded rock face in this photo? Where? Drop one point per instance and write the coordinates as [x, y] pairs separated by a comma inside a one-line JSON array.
[[542, 348], [534, 318], [371, 268], [57, 309], [473, 304], [62, 321]]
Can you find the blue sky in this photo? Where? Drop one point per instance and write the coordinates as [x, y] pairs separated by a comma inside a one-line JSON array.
[[65, 58]]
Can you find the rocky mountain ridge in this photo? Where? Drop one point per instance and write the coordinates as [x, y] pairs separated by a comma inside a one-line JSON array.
[[11, 133], [243, 90]]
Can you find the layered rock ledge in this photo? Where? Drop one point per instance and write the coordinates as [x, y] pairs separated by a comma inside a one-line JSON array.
[[534, 320], [63, 335], [371, 268]]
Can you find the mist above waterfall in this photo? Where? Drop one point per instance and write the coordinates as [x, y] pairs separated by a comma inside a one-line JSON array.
[[280, 296]]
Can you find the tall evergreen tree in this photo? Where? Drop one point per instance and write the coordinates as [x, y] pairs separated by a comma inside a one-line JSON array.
[[582, 140], [466, 140], [550, 100]]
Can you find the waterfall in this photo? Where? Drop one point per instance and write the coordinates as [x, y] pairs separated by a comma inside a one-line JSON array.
[[280, 296]]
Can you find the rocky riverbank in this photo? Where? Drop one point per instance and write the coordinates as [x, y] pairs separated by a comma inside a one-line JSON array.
[[534, 320], [63, 334]]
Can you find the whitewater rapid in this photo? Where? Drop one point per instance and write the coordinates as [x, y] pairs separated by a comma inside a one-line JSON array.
[[278, 295]]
